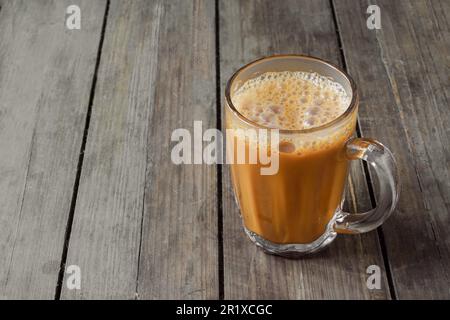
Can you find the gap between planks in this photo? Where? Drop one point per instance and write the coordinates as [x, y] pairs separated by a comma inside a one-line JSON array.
[[219, 166], [73, 202], [367, 175]]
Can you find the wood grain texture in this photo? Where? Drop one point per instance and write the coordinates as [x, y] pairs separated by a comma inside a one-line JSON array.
[[46, 73], [179, 256], [402, 72], [249, 30], [156, 74]]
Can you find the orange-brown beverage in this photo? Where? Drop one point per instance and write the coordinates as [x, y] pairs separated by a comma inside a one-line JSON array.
[[296, 209], [296, 204]]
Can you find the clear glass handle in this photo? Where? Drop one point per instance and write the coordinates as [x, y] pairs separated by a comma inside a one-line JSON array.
[[381, 160]]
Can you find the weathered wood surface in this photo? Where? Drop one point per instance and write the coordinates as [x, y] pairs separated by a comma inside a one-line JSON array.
[[157, 73], [145, 228], [402, 72], [45, 79], [249, 30]]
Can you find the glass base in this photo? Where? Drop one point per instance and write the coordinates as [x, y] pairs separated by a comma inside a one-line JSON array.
[[294, 250]]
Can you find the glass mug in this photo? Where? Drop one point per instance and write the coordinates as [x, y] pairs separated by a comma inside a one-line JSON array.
[[298, 210]]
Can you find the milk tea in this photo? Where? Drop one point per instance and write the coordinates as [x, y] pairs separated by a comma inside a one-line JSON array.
[[296, 204]]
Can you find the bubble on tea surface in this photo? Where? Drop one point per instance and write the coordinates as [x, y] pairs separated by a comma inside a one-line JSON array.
[[318, 102], [268, 117], [275, 109], [286, 146], [291, 100], [312, 111], [309, 122]]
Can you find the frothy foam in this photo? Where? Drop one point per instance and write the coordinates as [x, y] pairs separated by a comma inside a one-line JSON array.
[[291, 100]]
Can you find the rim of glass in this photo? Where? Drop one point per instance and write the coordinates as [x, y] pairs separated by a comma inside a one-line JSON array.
[[347, 112]]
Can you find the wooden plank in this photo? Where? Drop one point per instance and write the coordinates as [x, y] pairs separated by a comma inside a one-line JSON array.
[[179, 244], [156, 75], [248, 30], [402, 72], [46, 73]]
